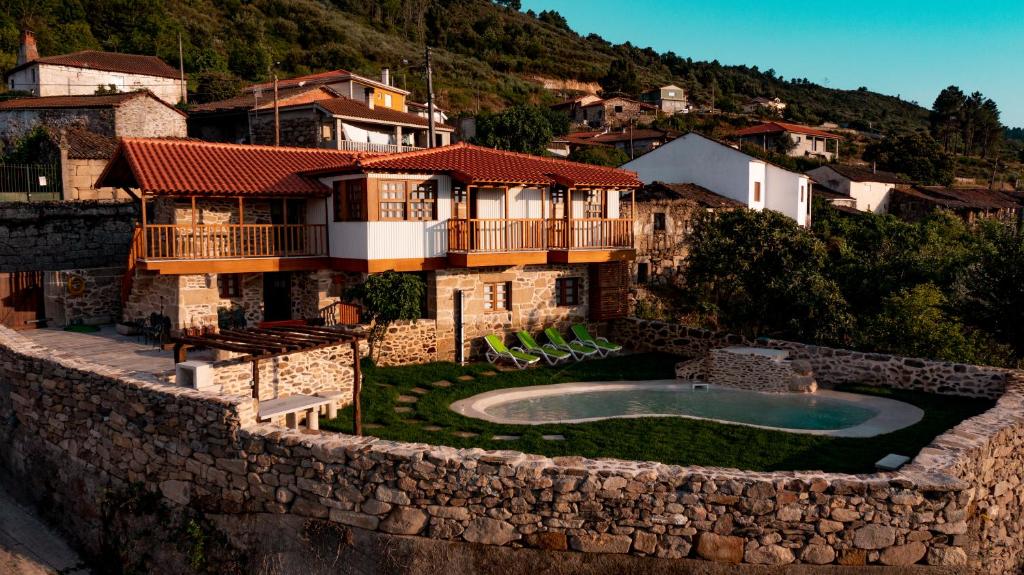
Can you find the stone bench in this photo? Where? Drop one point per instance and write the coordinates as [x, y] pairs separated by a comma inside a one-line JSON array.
[[331, 409], [290, 407]]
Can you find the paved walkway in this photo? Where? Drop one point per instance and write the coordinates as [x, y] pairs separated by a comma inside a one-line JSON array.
[[29, 547], [105, 347]]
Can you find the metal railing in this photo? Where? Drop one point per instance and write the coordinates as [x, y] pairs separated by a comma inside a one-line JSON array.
[[30, 182], [231, 241], [371, 147], [516, 235]]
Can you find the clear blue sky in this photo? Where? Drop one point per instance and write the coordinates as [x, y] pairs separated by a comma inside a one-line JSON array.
[[913, 48]]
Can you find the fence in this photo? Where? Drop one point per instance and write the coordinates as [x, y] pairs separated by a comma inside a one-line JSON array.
[[30, 182]]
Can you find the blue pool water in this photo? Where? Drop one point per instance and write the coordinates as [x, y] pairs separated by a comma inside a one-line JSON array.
[[789, 411]]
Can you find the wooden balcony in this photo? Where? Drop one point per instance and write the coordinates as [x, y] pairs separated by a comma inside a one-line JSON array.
[[231, 248], [351, 146], [482, 242]]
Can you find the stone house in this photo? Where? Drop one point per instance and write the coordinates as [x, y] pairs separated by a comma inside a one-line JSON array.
[[806, 141], [84, 130], [373, 93], [82, 73], [728, 172], [869, 188], [662, 215], [231, 121], [275, 233], [670, 99], [764, 106], [970, 204], [615, 111], [633, 141]]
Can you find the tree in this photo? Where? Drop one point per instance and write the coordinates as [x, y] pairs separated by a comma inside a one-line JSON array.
[[519, 129], [621, 78], [947, 115], [214, 85], [599, 155], [389, 297], [993, 286], [764, 276], [918, 156]]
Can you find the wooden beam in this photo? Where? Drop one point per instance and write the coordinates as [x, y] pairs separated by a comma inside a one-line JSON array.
[[256, 379]]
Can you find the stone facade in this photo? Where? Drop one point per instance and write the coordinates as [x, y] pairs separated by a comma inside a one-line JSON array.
[[958, 505], [756, 369], [304, 373], [80, 177], [99, 303], [407, 343], [831, 366], [169, 210], [50, 236], [298, 128]]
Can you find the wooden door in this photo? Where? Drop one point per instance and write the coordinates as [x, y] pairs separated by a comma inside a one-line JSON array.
[[21, 300], [277, 296], [609, 291]]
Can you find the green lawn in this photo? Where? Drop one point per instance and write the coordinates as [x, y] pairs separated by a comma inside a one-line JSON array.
[[666, 439]]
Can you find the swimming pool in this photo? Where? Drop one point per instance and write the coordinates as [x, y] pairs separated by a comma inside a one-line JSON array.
[[825, 412]]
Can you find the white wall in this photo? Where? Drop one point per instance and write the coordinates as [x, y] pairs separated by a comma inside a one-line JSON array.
[[869, 196], [64, 81], [783, 193], [695, 159]]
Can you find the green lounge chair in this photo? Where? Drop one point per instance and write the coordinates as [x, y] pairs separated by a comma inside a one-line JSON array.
[[548, 351], [578, 351], [603, 346], [496, 350]]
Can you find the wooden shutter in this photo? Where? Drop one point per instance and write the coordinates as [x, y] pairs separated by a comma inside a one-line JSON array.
[[609, 291]]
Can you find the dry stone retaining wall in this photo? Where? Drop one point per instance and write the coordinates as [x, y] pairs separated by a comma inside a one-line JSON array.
[[76, 429]]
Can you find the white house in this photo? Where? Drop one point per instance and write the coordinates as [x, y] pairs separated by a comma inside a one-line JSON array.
[[82, 73], [870, 188], [726, 171]]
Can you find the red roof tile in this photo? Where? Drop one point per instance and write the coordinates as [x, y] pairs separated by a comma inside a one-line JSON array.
[[109, 62], [776, 127], [99, 101], [188, 167], [328, 77], [285, 97], [351, 109], [479, 164]]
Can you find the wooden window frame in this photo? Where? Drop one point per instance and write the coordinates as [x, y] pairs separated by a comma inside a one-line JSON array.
[[428, 203], [492, 301], [595, 209], [229, 286], [382, 201], [567, 291], [664, 222], [757, 191]]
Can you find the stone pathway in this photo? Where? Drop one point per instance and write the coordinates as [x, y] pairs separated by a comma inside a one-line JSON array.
[[505, 437], [442, 384], [466, 377], [553, 437], [419, 391], [407, 399], [403, 409], [465, 434], [29, 547], [105, 347]]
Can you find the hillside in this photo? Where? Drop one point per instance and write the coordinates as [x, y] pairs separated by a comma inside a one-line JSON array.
[[487, 56]]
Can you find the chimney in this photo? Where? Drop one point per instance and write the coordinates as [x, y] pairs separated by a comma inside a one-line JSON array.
[[385, 76], [27, 52], [369, 97]]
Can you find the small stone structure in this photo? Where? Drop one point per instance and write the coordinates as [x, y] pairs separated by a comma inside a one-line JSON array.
[[753, 368], [73, 432]]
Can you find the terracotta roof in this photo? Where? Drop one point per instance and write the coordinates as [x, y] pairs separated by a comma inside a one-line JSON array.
[[353, 110], [91, 101], [109, 62], [963, 198], [692, 192], [637, 134], [603, 101], [422, 106], [776, 127], [328, 77], [188, 167], [478, 164], [866, 174], [248, 101], [85, 145]]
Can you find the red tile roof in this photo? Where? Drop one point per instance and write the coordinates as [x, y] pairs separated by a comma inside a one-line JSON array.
[[776, 127], [487, 165], [188, 167], [353, 110], [85, 145], [963, 198], [285, 97], [328, 77], [99, 101], [109, 62]]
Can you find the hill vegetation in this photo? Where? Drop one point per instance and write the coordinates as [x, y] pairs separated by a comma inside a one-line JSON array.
[[487, 55]]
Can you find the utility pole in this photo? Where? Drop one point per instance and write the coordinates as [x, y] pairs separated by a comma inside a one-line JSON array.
[[430, 100], [181, 71], [277, 115]]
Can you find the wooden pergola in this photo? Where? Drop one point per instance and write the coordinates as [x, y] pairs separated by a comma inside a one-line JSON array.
[[256, 344]]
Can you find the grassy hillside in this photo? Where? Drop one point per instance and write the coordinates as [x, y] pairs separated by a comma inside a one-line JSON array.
[[486, 56]]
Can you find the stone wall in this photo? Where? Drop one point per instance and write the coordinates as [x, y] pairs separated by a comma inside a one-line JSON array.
[[662, 251], [80, 176], [100, 303], [302, 373], [831, 366], [298, 128], [74, 431], [50, 236], [407, 343], [743, 368]]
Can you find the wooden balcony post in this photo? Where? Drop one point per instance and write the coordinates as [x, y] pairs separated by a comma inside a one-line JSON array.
[[632, 217], [568, 218], [284, 205], [145, 233], [507, 223]]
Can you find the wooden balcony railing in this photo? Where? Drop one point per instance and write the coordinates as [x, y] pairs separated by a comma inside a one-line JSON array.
[[230, 241], [516, 235], [371, 147]]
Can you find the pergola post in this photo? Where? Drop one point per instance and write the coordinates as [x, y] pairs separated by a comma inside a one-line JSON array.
[[256, 379]]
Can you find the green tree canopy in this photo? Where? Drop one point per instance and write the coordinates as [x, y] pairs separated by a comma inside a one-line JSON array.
[[918, 156], [600, 155], [519, 129]]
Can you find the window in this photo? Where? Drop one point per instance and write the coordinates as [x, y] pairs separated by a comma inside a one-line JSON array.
[[814, 144], [671, 94], [594, 207], [327, 131], [387, 100], [496, 296], [423, 201], [348, 200], [567, 291], [801, 192], [392, 200], [618, 109], [229, 285], [757, 191], [642, 273], [659, 221]]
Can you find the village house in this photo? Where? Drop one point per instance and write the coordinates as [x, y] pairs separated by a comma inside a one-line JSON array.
[[231, 120], [806, 141], [662, 216], [869, 188], [420, 109], [970, 204], [764, 106], [572, 106], [615, 111], [502, 240], [633, 141], [728, 172], [85, 72], [83, 131], [373, 93], [668, 100]]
